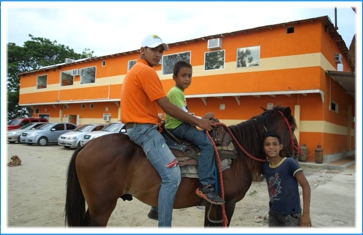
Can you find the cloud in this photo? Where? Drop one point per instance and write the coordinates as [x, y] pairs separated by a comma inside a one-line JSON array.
[[113, 27]]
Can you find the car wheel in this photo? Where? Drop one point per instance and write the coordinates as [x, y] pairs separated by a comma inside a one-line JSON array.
[[43, 141], [79, 144], [12, 142], [19, 139], [67, 147]]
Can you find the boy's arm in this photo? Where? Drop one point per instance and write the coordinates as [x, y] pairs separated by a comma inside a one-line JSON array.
[[306, 191], [176, 112]]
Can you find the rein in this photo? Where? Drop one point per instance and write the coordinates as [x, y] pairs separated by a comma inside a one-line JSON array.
[[220, 171], [293, 145], [238, 144]]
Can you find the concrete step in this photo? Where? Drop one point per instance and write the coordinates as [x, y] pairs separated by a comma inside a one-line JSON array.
[[341, 164]]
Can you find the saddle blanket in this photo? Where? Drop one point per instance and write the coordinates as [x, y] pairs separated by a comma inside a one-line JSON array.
[[191, 171]]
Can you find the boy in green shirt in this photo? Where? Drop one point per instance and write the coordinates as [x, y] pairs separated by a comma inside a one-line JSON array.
[[182, 75]]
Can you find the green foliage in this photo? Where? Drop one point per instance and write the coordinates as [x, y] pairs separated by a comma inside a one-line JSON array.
[[34, 54]]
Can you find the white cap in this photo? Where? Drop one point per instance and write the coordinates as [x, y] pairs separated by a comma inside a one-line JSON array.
[[153, 41]]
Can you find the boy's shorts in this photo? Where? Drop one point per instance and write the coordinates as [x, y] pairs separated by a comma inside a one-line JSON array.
[[291, 220]]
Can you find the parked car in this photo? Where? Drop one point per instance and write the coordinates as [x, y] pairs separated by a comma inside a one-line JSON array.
[[116, 127], [19, 122], [47, 133], [72, 139], [14, 135]]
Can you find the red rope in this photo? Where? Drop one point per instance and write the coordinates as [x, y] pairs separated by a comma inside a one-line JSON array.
[[293, 146], [225, 219], [224, 216], [238, 144]]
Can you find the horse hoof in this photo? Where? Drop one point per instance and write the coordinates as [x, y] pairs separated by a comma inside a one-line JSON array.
[[153, 215]]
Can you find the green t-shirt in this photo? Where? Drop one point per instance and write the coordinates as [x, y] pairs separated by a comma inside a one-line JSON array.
[[177, 97]]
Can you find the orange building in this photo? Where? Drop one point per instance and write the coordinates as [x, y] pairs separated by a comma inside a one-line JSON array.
[[301, 64]]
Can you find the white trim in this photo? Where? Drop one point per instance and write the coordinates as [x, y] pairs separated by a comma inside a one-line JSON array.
[[257, 94]]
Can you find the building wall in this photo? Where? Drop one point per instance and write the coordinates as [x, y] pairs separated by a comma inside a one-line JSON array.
[[288, 63]]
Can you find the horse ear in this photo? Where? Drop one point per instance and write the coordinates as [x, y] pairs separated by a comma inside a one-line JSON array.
[[263, 109], [287, 112]]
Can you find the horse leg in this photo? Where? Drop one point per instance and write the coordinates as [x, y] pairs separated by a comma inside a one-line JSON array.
[[99, 215]]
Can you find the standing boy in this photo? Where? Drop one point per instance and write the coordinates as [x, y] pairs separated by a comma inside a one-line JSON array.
[[182, 75], [282, 177], [141, 93]]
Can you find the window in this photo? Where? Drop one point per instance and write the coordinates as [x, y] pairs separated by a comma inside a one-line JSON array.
[[82, 106], [67, 78], [91, 106], [248, 57], [36, 110], [290, 30], [42, 82], [88, 75], [214, 60], [59, 127], [104, 63], [334, 106], [44, 116], [131, 64], [170, 60], [70, 126]]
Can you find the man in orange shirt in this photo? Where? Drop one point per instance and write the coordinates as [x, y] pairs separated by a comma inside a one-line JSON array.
[[141, 92]]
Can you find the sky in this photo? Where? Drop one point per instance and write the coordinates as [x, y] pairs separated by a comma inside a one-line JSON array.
[[113, 27]]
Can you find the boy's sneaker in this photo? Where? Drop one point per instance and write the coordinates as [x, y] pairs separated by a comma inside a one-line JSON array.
[[208, 194]]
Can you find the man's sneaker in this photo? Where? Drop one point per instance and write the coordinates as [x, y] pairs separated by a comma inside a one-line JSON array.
[[208, 194]]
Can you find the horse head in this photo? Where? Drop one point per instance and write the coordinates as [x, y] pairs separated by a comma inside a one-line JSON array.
[[280, 120]]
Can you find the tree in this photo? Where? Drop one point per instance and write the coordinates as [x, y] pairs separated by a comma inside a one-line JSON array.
[[36, 53]]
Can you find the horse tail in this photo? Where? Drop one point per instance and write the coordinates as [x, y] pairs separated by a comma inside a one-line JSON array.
[[75, 212]]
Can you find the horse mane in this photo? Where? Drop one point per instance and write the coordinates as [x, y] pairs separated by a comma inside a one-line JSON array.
[[250, 135]]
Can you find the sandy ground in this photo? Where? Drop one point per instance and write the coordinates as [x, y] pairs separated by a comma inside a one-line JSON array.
[[36, 195]]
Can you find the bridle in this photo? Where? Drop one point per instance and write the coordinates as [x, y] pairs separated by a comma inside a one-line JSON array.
[[293, 145]]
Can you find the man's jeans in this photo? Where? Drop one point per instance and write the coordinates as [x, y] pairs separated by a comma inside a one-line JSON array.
[[160, 156], [206, 160]]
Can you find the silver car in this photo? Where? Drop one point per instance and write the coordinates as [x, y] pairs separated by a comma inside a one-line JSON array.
[[47, 133], [14, 135], [72, 139], [111, 128]]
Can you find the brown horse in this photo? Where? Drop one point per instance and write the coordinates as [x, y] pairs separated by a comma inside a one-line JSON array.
[[112, 166]]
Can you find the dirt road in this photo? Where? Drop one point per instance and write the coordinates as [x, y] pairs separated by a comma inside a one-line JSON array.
[[36, 195]]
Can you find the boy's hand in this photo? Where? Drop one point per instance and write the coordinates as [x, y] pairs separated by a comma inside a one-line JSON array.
[[209, 115], [305, 220], [206, 124]]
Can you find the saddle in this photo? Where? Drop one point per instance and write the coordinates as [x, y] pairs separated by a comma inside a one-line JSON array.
[[187, 153]]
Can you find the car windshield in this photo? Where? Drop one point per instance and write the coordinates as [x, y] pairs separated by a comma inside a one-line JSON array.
[[15, 122], [45, 126], [26, 126], [113, 127], [84, 128]]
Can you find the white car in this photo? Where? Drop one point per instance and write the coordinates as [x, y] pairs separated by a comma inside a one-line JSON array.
[[14, 135], [72, 139], [117, 127]]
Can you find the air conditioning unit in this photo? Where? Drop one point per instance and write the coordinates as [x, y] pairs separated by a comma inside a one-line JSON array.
[[338, 58], [215, 43], [106, 117], [75, 72]]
